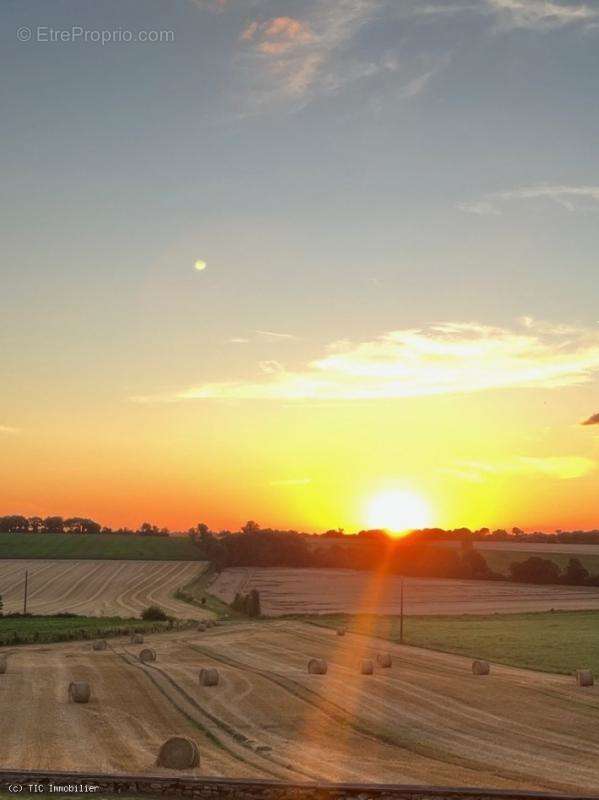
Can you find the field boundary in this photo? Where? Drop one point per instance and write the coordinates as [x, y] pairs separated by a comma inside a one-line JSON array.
[[239, 789]]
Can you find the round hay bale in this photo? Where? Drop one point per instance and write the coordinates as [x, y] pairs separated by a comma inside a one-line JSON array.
[[208, 676], [179, 752], [366, 667], [480, 668], [102, 644], [317, 666], [341, 631], [384, 660], [79, 692], [137, 638], [584, 677], [147, 655], [3, 664]]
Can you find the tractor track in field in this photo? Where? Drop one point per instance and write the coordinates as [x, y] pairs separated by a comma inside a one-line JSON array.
[[212, 726], [455, 731]]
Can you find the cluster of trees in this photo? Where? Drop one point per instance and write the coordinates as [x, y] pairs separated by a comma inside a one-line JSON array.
[[270, 548], [16, 523], [248, 604], [544, 570], [374, 550]]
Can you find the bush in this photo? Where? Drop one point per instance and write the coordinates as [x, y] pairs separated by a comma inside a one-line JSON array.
[[154, 613], [535, 570]]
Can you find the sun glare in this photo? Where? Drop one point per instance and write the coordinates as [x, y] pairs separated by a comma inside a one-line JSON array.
[[398, 511]]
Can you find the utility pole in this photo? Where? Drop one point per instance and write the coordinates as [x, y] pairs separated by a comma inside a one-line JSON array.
[[25, 595], [401, 611]]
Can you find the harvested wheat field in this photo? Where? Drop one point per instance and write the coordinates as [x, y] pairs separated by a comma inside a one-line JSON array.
[[97, 588], [330, 591], [425, 720]]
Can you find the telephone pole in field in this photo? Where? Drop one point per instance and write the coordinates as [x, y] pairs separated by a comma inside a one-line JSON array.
[[401, 611]]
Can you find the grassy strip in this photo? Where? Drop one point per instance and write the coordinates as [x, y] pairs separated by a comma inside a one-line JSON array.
[[559, 641], [98, 546], [198, 588], [34, 630]]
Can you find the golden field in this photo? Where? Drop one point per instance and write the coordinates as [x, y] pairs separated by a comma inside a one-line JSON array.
[[426, 720], [330, 591], [97, 588]]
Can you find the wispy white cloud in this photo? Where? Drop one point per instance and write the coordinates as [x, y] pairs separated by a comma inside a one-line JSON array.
[[536, 15], [542, 14], [296, 59], [572, 198], [560, 467], [441, 359]]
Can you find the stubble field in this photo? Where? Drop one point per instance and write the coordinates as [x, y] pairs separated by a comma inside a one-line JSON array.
[[425, 720], [97, 588], [331, 591]]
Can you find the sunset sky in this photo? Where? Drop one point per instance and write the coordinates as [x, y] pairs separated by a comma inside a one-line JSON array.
[[304, 255]]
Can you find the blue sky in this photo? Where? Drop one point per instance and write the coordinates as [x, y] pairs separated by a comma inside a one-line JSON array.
[[346, 168]]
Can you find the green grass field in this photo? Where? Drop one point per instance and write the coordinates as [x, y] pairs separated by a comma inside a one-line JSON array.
[[560, 641], [109, 546], [32, 630]]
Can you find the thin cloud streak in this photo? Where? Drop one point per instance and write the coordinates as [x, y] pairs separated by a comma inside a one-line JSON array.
[[569, 197], [277, 335], [535, 15], [559, 467], [448, 358], [542, 14]]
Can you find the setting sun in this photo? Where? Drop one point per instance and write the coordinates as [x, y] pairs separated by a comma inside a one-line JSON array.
[[398, 510]]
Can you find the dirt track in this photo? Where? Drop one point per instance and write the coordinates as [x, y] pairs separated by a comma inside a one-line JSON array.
[[425, 720], [326, 591], [97, 588]]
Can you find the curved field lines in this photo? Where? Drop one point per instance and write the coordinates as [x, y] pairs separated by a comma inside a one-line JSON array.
[[97, 588], [425, 720]]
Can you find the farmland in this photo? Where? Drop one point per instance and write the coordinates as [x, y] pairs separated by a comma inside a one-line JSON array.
[[425, 720], [19, 630], [557, 642], [329, 591], [100, 546], [499, 555], [97, 588]]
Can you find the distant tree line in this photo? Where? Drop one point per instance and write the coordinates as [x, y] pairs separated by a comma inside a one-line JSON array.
[[502, 535], [271, 548], [543, 570], [15, 523], [374, 551]]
